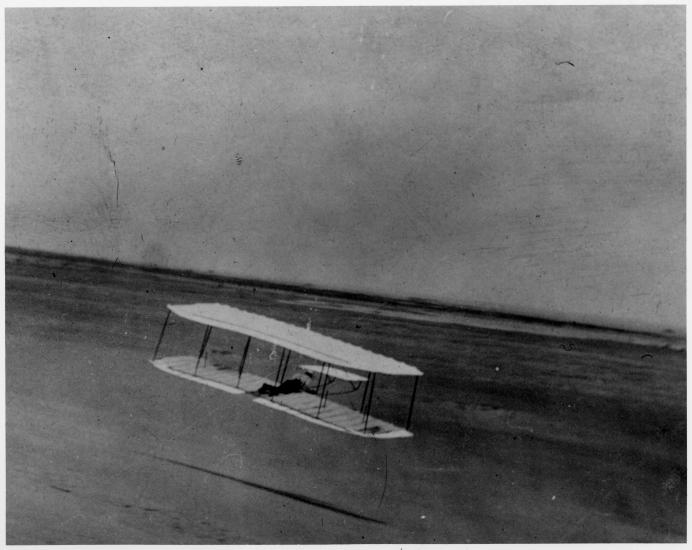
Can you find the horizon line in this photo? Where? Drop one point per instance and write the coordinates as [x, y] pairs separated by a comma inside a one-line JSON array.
[[427, 303]]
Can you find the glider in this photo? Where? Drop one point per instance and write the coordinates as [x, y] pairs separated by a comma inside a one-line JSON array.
[[336, 362]]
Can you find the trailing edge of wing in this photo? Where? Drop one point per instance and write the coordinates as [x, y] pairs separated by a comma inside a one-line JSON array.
[[301, 340]]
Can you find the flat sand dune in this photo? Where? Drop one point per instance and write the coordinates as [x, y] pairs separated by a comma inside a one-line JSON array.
[[519, 437]]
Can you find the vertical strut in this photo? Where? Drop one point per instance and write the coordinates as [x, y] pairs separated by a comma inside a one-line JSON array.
[[365, 393], [242, 361], [323, 397], [163, 329], [410, 409], [281, 362], [367, 412], [288, 358], [205, 339], [319, 405], [319, 380]]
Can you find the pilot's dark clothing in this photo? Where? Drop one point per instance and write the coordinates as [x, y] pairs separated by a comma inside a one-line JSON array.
[[294, 385]]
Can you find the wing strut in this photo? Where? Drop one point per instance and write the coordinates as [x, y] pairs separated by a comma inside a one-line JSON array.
[[283, 366], [163, 329], [281, 362], [324, 388], [242, 361], [410, 408], [205, 339], [288, 358], [365, 393], [367, 410]]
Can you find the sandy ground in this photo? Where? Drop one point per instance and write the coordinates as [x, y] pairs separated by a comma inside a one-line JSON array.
[[518, 437]]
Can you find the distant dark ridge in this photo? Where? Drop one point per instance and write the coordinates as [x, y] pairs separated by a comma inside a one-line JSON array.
[[342, 294]]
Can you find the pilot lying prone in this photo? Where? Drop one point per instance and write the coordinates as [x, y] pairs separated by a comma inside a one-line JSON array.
[[292, 385]]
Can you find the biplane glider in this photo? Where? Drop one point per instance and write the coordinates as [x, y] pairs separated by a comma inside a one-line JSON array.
[[336, 362]]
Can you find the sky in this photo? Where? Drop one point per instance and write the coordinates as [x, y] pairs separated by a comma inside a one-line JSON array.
[[523, 159]]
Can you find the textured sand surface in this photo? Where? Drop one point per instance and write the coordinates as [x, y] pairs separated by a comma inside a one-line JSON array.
[[518, 437]]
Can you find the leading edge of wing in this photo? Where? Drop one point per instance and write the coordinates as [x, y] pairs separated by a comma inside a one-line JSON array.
[[302, 340]]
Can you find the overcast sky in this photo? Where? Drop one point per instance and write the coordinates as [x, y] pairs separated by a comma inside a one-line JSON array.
[[528, 159]]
